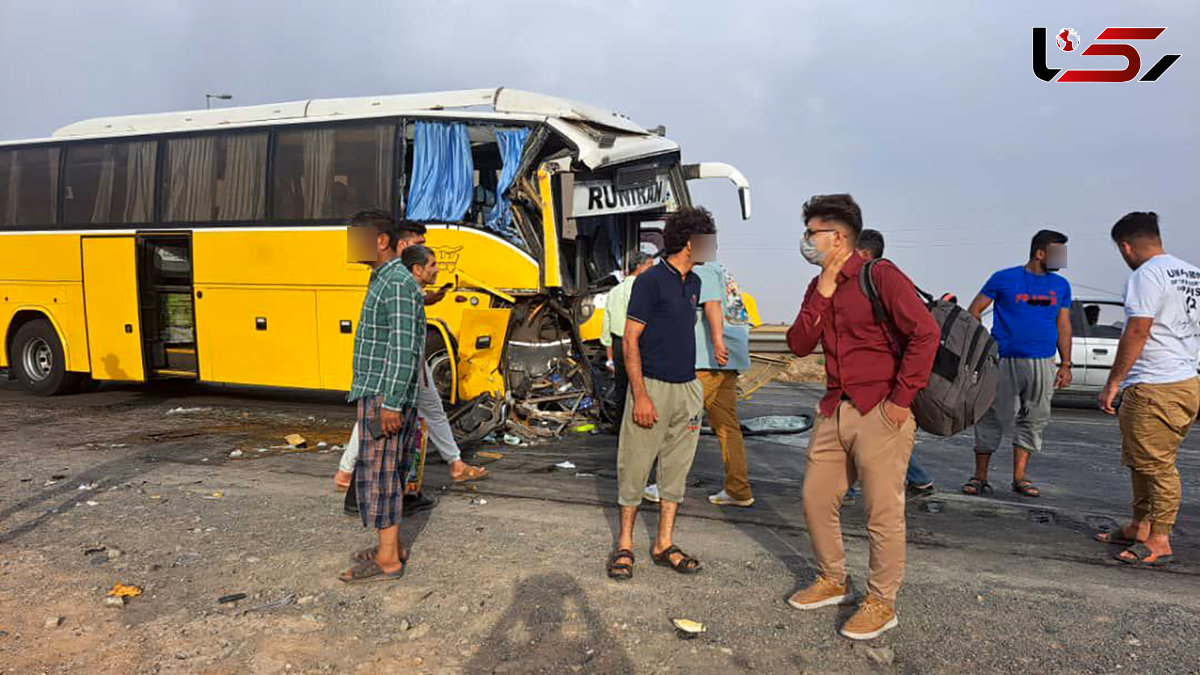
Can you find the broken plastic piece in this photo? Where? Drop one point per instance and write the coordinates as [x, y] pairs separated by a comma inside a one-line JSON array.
[[565, 465], [490, 455], [688, 629], [120, 590]]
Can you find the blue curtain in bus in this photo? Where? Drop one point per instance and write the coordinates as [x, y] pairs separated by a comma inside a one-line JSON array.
[[511, 142], [443, 172]]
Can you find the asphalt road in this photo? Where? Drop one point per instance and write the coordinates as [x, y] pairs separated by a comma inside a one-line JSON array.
[[507, 576]]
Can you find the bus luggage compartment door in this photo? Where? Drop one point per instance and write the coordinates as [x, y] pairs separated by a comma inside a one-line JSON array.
[[480, 346], [110, 299]]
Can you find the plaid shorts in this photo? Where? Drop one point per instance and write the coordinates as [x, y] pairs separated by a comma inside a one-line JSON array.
[[383, 465]]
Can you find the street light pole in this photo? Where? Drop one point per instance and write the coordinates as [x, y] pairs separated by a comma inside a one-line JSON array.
[[220, 97]]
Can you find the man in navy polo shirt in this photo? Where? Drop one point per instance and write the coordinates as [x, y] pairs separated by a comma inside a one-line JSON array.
[[665, 400]]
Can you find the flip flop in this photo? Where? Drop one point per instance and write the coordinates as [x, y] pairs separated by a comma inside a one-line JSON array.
[[369, 554], [1141, 552], [472, 473], [369, 570]]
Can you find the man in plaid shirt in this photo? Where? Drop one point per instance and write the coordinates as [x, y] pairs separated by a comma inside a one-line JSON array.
[[387, 363]]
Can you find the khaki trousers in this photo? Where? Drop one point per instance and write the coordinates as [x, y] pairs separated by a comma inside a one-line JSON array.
[[720, 402], [672, 441], [867, 447], [1155, 418]]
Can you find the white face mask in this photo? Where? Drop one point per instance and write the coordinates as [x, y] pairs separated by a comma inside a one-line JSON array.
[[809, 250]]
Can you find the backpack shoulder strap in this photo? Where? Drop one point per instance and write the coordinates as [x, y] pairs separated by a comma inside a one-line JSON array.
[[866, 282]]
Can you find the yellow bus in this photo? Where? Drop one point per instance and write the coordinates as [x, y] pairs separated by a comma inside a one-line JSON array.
[[211, 245]]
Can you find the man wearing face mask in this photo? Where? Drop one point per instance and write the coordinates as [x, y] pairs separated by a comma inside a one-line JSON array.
[[1031, 319], [865, 428]]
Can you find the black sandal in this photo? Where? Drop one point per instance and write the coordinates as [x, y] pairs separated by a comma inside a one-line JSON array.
[[977, 486], [618, 570], [369, 554], [1140, 552], [686, 565], [368, 571], [1026, 488]]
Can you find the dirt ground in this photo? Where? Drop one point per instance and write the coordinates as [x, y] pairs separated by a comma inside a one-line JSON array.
[[129, 486]]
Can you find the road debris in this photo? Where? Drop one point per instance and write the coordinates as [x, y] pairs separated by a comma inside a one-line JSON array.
[[114, 601], [216, 495], [87, 487], [490, 455], [236, 454], [884, 656], [185, 411], [53, 621], [688, 629], [91, 502], [478, 501], [567, 464], [286, 600], [232, 597], [121, 590], [296, 441]]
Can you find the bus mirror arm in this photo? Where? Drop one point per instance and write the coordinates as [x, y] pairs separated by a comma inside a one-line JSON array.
[[722, 170]]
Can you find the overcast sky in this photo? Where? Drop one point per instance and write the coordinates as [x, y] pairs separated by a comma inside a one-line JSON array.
[[928, 113]]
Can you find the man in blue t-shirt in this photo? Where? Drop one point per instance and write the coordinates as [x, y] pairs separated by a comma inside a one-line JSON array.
[[1031, 319]]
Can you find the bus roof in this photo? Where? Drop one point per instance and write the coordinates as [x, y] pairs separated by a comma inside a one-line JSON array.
[[601, 136]]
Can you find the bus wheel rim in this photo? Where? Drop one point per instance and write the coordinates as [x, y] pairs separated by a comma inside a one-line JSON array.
[[439, 365], [38, 359]]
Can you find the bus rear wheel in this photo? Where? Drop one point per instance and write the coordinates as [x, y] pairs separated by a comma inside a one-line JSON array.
[[37, 359]]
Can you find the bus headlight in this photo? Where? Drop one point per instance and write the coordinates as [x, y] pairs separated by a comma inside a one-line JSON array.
[[589, 305]]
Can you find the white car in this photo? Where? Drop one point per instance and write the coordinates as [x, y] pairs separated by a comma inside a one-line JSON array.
[[1096, 327]]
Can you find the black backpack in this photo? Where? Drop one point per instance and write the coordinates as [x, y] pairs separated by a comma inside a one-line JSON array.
[[962, 385]]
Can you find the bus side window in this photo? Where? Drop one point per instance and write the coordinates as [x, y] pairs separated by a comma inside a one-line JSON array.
[[109, 182], [215, 178], [6, 160], [31, 186], [330, 172]]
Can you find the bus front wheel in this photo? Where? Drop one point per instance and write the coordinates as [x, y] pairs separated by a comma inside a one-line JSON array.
[[37, 358]]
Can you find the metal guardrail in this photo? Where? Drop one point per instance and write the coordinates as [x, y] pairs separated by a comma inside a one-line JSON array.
[[772, 340]]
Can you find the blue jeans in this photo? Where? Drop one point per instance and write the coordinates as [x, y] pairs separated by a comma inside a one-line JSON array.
[[916, 476]]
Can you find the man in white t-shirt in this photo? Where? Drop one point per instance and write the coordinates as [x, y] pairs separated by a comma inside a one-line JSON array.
[[1156, 365]]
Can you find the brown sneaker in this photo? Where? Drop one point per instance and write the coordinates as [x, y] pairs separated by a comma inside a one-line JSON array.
[[822, 593], [873, 618]]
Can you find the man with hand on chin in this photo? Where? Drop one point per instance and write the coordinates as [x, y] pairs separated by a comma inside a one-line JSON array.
[[865, 429]]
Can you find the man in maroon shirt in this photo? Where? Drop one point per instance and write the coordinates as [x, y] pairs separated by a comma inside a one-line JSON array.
[[865, 428]]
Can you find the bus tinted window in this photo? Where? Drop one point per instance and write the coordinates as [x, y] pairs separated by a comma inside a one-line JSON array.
[[109, 183], [215, 178], [333, 171], [30, 189]]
